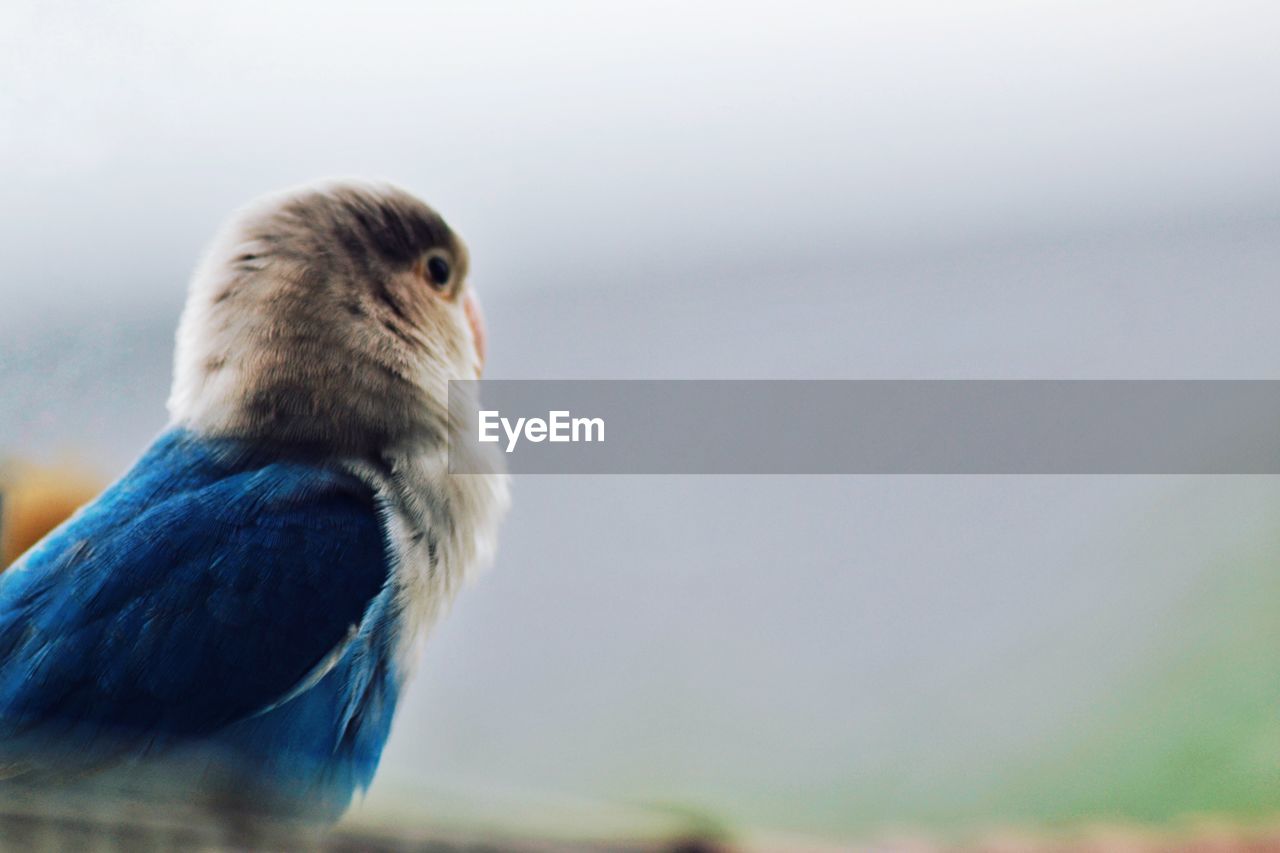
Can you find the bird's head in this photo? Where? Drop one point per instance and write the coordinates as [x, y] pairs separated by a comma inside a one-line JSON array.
[[331, 316]]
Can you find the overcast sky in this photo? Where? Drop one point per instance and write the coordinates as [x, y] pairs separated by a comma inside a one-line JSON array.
[[606, 141]]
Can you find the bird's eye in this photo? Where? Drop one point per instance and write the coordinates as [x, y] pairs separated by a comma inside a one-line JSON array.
[[438, 271]]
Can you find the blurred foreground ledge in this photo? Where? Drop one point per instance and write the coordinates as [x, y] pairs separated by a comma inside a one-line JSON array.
[[111, 824], [36, 826]]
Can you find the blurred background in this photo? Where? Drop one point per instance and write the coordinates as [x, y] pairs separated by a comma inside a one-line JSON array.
[[737, 190]]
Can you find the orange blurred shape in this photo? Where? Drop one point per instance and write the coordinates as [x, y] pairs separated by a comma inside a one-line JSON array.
[[35, 499]]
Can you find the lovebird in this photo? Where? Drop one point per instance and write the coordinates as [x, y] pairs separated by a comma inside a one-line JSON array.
[[234, 619]]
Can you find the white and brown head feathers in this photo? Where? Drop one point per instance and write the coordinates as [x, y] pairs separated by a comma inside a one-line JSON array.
[[332, 317]]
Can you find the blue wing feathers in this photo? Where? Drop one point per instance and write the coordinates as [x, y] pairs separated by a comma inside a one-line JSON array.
[[197, 591]]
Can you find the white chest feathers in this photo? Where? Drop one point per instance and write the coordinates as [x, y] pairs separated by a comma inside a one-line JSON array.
[[442, 530]]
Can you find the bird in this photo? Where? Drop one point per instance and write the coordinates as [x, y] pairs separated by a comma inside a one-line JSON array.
[[233, 620]]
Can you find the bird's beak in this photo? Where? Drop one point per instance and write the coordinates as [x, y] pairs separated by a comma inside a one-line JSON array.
[[471, 305]]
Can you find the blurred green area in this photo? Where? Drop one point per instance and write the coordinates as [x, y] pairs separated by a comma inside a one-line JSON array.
[[1197, 731], [1186, 736]]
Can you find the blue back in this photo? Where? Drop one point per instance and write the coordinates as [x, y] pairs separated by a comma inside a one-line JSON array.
[[212, 603]]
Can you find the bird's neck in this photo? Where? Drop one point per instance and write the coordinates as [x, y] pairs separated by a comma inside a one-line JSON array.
[[442, 529]]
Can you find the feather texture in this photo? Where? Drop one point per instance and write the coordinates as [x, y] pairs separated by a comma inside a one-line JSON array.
[[210, 599]]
